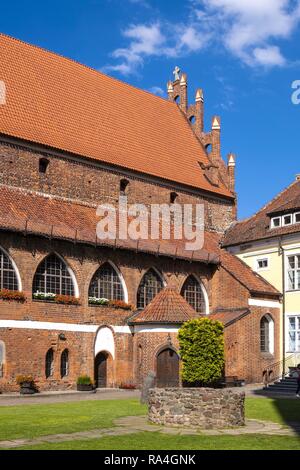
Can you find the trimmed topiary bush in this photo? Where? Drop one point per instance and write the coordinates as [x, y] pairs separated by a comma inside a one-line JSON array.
[[202, 352]]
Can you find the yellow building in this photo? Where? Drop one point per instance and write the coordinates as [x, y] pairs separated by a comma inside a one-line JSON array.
[[269, 242]]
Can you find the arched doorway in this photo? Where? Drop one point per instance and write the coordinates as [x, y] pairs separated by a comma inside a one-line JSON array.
[[167, 370], [101, 370]]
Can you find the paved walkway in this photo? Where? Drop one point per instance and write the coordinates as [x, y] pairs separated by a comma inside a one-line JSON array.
[[135, 424], [12, 399]]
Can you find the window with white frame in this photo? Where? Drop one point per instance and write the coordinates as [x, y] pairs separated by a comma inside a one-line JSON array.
[[2, 358], [262, 263], [267, 334], [276, 222], [294, 333], [293, 272], [297, 218], [287, 219]]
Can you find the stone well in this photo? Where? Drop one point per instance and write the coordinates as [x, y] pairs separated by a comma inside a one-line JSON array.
[[205, 408]]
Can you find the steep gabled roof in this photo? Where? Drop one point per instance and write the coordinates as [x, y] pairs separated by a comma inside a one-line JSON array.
[[59, 103], [257, 227], [168, 306], [255, 283]]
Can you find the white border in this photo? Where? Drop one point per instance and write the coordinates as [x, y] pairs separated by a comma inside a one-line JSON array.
[[264, 303], [52, 326]]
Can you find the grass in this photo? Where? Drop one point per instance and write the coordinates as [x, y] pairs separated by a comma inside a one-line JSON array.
[[157, 441], [277, 410], [29, 421]]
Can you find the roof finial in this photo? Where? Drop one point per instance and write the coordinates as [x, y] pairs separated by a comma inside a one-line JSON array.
[[176, 73]]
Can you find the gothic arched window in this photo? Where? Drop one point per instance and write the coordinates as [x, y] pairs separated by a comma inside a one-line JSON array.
[[193, 293], [53, 277], [49, 363], [8, 277], [106, 283], [150, 285], [64, 363], [267, 334]]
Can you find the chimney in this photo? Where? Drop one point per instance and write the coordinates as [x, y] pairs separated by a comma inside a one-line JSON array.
[[231, 171]]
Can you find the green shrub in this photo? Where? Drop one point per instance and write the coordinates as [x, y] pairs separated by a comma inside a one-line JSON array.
[[202, 351], [84, 380]]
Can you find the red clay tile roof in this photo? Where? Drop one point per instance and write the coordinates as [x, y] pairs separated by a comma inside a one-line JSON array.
[[257, 227], [62, 104], [244, 274], [229, 317], [167, 307], [34, 213]]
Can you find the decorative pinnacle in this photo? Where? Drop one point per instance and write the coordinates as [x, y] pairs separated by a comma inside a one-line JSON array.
[[199, 95], [170, 87], [216, 124], [183, 80], [231, 159]]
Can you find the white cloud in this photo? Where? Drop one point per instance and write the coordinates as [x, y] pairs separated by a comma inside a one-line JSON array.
[[156, 90], [249, 29]]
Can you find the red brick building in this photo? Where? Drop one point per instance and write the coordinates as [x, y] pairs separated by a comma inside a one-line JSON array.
[[72, 138]]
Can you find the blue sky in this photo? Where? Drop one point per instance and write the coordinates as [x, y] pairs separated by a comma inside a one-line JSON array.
[[245, 54]]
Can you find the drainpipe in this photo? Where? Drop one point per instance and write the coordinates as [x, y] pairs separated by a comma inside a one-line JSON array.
[[282, 253]]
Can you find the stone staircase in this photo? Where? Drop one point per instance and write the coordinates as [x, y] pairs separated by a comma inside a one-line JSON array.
[[285, 386]]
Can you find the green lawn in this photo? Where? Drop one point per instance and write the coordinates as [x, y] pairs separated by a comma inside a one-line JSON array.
[[157, 441], [29, 421]]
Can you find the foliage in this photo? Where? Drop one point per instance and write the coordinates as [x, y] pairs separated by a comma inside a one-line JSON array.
[[10, 295], [120, 304], [202, 351], [60, 299], [84, 380], [128, 386], [24, 378], [111, 303]]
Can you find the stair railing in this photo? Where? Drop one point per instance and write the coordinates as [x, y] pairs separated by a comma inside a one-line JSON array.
[[275, 371]]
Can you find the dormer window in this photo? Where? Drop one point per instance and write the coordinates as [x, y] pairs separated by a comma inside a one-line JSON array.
[[276, 222], [287, 219]]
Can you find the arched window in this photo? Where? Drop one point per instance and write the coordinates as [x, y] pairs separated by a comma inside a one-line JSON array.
[[2, 358], [8, 278], [49, 363], [267, 334], [106, 284], [123, 186], [149, 287], [53, 277], [193, 293], [64, 363]]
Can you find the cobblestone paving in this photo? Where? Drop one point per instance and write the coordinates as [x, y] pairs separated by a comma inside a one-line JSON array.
[[134, 424]]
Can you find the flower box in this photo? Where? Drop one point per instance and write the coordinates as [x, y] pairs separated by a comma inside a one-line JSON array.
[[56, 298], [110, 303], [12, 295]]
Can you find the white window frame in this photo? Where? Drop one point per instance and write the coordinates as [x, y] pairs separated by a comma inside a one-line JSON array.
[[262, 258], [272, 222], [283, 224], [297, 340], [290, 255], [296, 213]]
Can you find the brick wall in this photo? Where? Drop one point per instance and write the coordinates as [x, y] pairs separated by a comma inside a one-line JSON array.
[[90, 183]]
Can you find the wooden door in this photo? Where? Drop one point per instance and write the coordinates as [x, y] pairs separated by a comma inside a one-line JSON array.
[[101, 370], [167, 369]]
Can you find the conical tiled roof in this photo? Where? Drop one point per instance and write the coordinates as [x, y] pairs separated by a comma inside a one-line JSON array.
[[167, 307]]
